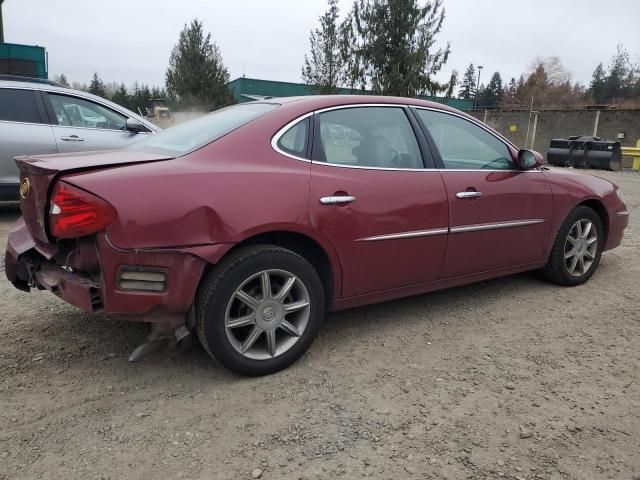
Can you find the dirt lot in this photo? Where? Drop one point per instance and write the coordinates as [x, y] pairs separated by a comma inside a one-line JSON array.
[[510, 378]]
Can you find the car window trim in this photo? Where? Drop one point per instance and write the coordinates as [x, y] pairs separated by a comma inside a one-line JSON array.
[[434, 154], [39, 107], [276, 138], [307, 140]]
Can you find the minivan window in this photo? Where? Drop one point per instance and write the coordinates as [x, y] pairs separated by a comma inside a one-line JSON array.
[[18, 106], [194, 134]]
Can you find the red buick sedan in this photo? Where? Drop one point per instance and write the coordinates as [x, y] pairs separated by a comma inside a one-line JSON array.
[[247, 224]]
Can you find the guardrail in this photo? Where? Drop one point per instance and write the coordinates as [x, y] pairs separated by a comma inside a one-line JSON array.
[[633, 152]]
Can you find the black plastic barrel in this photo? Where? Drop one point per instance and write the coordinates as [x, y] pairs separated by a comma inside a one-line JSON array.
[[585, 152]]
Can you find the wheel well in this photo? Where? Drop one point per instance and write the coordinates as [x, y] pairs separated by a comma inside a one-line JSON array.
[[304, 246], [598, 207]]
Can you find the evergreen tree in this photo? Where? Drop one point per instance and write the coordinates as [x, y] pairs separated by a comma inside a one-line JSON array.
[[597, 87], [451, 86], [468, 85], [62, 80], [324, 69], [392, 42], [196, 76], [617, 84], [491, 95], [97, 86], [121, 97], [512, 88]]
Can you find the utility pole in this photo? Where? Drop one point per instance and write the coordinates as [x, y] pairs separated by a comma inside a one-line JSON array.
[[1, 27], [475, 99]]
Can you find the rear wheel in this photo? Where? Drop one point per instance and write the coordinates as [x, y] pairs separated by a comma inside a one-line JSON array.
[[577, 249], [259, 310]]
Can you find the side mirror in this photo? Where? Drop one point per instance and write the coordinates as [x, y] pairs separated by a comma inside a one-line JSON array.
[[528, 159], [135, 126]]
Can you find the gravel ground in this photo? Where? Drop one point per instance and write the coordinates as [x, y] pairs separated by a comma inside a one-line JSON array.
[[511, 378]]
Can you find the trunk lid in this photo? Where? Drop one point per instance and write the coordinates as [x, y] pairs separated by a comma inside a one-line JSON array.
[[38, 173]]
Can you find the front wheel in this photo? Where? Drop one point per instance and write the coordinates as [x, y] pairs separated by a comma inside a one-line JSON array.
[[577, 249], [259, 310]]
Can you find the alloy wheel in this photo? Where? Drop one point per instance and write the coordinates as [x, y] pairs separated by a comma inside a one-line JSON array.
[[580, 247], [267, 314]]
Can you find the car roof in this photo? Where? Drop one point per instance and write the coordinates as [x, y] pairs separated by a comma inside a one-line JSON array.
[[317, 102]]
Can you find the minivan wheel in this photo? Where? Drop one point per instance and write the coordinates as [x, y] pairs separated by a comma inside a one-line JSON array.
[[259, 310], [577, 249]]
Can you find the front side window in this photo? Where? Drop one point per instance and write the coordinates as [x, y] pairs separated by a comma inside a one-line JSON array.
[[18, 106], [294, 140], [77, 112], [464, 145], [369, 137], [194, 134]]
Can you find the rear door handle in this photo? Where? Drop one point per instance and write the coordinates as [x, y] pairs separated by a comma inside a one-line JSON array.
[[72, 138], [337, 199], [468, 194]]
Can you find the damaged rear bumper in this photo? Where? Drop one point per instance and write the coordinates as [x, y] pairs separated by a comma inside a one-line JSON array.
[[89, 275]]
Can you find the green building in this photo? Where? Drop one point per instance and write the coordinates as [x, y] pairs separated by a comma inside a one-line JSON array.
[[248, 89], [23, 60]]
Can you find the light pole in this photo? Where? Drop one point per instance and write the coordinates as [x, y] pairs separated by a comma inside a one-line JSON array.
[[475, 100], [1, 27]]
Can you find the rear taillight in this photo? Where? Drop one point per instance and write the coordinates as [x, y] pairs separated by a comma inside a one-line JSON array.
[[76, 213]]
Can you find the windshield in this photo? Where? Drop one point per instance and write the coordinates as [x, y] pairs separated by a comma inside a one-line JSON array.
[[194, 134]]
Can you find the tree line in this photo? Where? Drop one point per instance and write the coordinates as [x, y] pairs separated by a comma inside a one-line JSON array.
[[196, 78], [549, 85], [388, 47]]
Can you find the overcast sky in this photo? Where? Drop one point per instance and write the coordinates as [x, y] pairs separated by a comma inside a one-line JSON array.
[[126, 40]]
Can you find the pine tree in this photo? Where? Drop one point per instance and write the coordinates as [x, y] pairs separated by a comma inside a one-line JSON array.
[[616, 84], [597, 87], [62, 80], [196, 76], [468, 85], [121, 97], [324, 70], [512, 89], [97, 86], [392, 44], [491, 95], [451, 86]]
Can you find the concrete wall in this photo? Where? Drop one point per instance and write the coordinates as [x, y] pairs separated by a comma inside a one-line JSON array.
[[562, 124]]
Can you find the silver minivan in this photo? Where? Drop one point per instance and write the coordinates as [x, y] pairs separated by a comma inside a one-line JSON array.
[[41, 117]]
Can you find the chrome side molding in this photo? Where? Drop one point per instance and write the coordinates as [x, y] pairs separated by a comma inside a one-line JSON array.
[[492, 226]]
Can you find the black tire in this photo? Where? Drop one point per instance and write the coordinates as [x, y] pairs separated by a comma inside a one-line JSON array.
[[218, 287], [556, 269]]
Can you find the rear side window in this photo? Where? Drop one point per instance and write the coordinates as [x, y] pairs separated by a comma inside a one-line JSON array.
[[18, 106], [294, 140], [194, 134], [379, 137]]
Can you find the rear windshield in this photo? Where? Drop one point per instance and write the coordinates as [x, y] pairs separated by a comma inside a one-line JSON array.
[[194, 134]]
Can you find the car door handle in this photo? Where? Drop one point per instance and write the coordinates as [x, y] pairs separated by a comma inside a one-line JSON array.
[[337, 199], [468, 194], [72, 138]]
